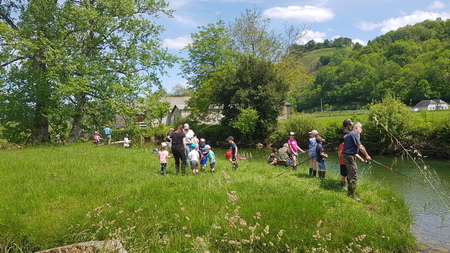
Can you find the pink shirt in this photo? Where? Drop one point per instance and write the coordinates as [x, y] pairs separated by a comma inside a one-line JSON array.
[[162, 156], [96, 137], [293, 145]]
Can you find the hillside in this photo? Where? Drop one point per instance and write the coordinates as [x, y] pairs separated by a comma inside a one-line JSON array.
[[310, 59]]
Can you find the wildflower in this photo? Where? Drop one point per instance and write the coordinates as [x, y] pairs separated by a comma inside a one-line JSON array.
[[266, 229], [187, 218], [179, 202], [319, 224], [187, 236]]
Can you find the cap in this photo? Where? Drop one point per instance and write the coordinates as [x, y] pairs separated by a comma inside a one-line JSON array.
[[230, 138], [343, 131], [193, 145], [207, 147], [314, 132], [163, 144], [186, 126], [319, 139], [202, 140], [347, 122], [126, 134], [95, 132], [291, 133], [171, 129]]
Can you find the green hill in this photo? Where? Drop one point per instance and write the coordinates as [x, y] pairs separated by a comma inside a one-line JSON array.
[[310, 59]]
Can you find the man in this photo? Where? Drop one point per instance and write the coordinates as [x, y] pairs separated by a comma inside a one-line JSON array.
[[283, 157], [345, 127], [107, 134], [352, 146]]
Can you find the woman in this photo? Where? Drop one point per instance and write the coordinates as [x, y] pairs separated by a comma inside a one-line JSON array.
[[178, 146]]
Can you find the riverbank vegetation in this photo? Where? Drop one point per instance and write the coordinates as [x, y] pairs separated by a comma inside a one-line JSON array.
[[62, 194]]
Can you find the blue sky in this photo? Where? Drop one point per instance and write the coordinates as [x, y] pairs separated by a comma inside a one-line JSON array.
[[360, 20]]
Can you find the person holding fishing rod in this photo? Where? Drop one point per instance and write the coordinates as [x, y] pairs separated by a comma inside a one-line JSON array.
[[352, 146]]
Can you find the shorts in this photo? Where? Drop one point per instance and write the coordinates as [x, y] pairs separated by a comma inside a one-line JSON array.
[[194, 165], [295, 153], [203, 161], [343, 170], [288, 163], [311, 155], [108, 136], [95, 142], [321, 165]]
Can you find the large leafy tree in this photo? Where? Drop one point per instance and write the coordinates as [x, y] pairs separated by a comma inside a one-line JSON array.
[[73, 59]]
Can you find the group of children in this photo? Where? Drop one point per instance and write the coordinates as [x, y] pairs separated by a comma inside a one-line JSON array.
[[198, 157]]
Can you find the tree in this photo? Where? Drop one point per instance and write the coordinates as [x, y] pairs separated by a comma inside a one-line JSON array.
[[79, 57]]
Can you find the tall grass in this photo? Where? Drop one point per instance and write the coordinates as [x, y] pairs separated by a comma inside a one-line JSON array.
[[58, 195]]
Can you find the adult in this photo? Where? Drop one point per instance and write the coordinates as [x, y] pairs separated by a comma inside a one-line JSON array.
[[168, 137], [352, 146], [107, 134], [189, 139], [283, 157], [346, 124], [178, 144]]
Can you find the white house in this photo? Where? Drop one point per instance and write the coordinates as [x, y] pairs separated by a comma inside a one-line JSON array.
[[435, 104]]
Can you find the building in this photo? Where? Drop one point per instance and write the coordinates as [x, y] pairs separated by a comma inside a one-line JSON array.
[[435, 104]]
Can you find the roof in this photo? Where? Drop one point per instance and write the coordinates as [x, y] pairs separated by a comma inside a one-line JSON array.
[[426, 103], [180, 102]]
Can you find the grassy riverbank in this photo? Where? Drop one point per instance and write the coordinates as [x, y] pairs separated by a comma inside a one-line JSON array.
[[58, 195]]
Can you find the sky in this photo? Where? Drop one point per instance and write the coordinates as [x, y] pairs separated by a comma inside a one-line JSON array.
[[360, 20]]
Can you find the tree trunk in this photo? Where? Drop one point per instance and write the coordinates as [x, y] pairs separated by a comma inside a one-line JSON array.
[[43, 98], [75, 132]]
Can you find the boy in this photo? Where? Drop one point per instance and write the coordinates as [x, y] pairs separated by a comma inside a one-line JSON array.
[[312, 152], [194, 156], [271, 159], [320, 157], [212, 158], [234, 151], [201, 148]]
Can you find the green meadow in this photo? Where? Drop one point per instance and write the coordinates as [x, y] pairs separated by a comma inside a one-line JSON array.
[[58, 195]]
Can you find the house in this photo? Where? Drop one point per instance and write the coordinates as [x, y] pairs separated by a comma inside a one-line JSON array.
[[429, 105], [178, 109]]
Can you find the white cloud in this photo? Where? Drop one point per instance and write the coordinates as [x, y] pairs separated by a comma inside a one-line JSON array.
[[362, 42], [305, 13], [308, 35], [185, 20], [177, 43], [436, 5], [394, 23]]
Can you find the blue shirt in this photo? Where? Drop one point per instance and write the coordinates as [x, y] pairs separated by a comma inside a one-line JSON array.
[[312, 145], [107, 131], [351, 142], [211, 156]]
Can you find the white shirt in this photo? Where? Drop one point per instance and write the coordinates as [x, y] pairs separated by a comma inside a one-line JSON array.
[[194, 155]]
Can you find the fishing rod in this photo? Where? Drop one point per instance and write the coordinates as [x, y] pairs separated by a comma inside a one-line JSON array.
[[387, 167], [296, 165]]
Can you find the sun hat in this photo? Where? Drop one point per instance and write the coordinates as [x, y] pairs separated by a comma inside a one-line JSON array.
[[207, 147], [291, 133], [163, 144]]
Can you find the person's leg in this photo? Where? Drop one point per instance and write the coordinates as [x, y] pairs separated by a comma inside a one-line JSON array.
[[350, 164]]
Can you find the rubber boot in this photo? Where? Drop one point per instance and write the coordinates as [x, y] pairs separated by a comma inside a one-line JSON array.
[[310, 171], [294, 168], [322, 174], [351, 191], [314, 173], [344, 185]]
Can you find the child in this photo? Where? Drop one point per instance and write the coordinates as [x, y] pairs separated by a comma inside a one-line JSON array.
[[97, 138], [211, 157], [163, 154], [194, 156], [294, 148], [126, 142], [271, 159], [234, 151], [312, 152], [320, 157], [201, 148]]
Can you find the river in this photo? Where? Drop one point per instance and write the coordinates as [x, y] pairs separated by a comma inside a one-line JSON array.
[[425, 187]]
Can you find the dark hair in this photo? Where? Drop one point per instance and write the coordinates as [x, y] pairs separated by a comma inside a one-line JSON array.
[[179, 129], [274, 150]]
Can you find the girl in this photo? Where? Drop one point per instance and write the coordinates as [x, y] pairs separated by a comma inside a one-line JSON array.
[[97, 138], [163, 154]]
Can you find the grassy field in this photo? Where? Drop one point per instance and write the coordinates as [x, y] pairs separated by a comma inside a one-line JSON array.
[[58, 195]]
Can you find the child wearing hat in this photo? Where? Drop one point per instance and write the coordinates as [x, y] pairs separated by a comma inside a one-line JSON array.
[[234, 152], [293, 149], [163, 154], [211, 157], [97, 138], [320, 157]]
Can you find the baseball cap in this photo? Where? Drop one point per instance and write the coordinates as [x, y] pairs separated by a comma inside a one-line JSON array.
[[314, 132], [193, 145], [320, 139], [230, 138], [347, 122], [163, 144], [291, 133], [202, 140], [186, 126], [207, 147]]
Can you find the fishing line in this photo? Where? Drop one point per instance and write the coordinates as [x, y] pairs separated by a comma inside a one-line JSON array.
[[396, 171], [414, 161], [296, 165]]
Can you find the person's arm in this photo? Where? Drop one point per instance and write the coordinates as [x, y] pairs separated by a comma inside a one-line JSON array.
[[323, 155], [363, 150], [301, 150], [359, 158]]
